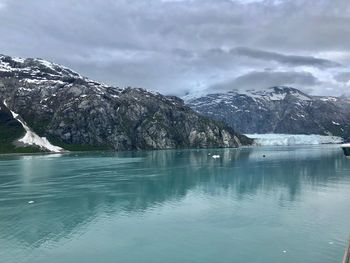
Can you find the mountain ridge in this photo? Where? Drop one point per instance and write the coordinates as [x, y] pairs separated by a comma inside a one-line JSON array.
[[277, 109], [74, 112]]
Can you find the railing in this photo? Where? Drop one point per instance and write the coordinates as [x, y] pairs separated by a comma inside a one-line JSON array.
[[347, 254]]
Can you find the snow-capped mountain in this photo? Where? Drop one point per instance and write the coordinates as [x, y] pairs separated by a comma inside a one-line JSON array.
[[54, 108], [277, 110]]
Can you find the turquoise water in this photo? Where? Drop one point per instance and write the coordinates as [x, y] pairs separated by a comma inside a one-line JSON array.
[[176, 206]]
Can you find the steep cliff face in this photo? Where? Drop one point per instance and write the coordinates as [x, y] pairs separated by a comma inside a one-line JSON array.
[[10, 129], [277, 110], [75, 112]]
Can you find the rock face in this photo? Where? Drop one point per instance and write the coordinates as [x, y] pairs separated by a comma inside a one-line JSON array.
[[277, 110], [10, 129], [75, 112]]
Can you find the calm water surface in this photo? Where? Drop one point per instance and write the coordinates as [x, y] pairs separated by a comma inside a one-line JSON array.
[[176, 206]]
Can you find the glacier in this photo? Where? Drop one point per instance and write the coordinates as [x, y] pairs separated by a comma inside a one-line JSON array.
[[293, 139]]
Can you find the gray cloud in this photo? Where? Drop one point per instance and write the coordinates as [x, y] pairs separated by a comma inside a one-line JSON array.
[[173, 46], [267, 79], [3, 4], [285, 59], [343, 77]]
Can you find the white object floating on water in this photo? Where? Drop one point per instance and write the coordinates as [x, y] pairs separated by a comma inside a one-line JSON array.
[[284, 251], [216, 156], [330, 242], [31, 202]]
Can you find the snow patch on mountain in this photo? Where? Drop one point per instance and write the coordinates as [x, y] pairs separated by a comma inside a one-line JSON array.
[[31, 138], [273, 94], [279, 110], [293, 139], [39, 71]]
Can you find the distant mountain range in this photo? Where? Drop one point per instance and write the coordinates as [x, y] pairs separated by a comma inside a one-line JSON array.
[[45, 106], [277, 110]]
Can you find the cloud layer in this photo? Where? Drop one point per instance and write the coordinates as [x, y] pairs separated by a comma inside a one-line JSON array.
[[258, 80], [178, 46]]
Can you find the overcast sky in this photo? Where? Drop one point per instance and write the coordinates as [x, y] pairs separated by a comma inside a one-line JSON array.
[[179, 46]]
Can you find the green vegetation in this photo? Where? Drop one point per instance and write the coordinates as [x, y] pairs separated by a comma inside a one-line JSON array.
[[10, 130], [39, 127], [78, 147]]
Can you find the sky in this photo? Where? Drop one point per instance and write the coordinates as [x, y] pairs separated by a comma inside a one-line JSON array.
[[188, 46]]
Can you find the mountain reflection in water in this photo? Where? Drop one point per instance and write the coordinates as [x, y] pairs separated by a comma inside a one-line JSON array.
[[73, 191]]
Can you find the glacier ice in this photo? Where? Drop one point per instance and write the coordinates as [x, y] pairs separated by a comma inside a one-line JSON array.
[[293, 139]]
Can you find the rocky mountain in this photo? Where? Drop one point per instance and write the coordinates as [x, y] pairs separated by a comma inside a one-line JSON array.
[[10, 130], [53, 108], [277, 110]]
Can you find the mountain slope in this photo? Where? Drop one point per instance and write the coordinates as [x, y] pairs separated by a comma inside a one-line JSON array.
[[77, 113], [277, 110], [10, 130]]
